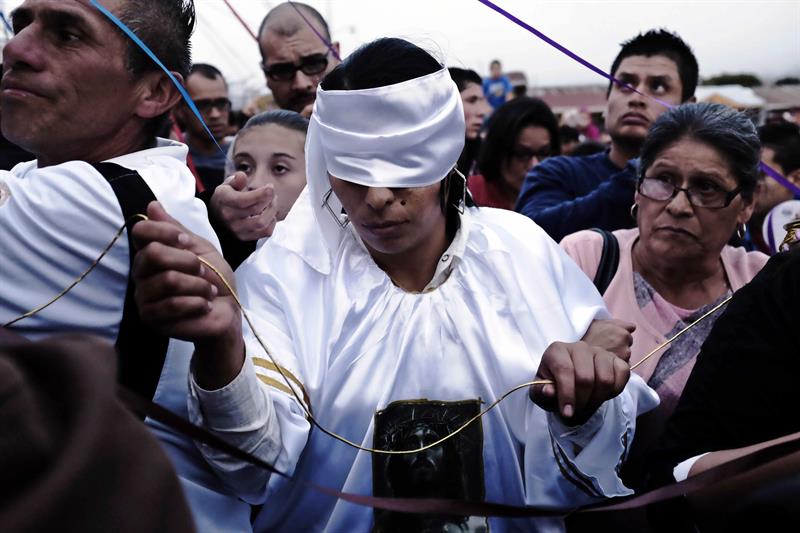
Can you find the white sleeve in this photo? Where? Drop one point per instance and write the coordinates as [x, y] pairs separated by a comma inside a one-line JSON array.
[[681, 472], [54, 224], [577, 465], [259, 411]]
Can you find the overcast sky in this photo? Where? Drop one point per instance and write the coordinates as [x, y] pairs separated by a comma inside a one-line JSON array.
[[727, 36]]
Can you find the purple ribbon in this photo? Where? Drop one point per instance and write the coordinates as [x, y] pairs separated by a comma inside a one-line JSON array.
[[327, 43], [564, 50]]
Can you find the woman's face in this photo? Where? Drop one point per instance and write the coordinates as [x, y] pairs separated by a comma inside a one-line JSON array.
[[392, 221], [674, 229], [531, 147], [273, 155], [475, 109]]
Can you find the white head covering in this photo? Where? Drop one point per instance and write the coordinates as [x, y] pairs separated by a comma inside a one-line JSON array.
[[405, 135]]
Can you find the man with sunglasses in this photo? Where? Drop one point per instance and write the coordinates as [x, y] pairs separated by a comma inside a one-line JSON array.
[[209, 90], [296, 53]]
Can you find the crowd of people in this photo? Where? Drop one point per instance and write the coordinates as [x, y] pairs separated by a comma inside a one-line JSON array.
[[339, 282]]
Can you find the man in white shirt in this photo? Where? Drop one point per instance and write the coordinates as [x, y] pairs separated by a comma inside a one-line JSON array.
[[87, 103]]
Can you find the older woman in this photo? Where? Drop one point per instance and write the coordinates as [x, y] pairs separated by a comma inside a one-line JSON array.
[[698, 171], [521, 134], [393, 312]]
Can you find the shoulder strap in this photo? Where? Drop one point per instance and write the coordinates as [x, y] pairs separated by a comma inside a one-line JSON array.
[[609, 260], [141, 350]]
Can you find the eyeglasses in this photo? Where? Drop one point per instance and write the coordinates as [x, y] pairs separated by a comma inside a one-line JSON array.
[[220, 104], [522, 153], [311, 65], [705, 195]]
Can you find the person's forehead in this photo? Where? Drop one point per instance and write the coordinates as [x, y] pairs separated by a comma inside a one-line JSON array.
[[472, 87], [82, 9], [656, 65], [271, 139], [276, 48]]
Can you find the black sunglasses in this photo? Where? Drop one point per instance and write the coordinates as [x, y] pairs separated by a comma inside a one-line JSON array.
[[220, 104], [311, 65]]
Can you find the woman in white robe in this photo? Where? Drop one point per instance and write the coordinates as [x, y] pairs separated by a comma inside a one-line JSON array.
[[394, 324]]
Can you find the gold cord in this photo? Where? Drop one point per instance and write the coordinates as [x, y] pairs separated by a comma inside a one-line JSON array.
[[79, 278], [791, 235], [289, 383]]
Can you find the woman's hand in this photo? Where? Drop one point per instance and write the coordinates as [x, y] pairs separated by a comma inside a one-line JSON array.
[[250, 215], [613, 335], [182, 298], [584, 376]]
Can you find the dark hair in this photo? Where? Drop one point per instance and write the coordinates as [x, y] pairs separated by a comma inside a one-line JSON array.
[[729, 132], [568, 134], [165, 26], [784, 139], [306, 9], [388, 61], [494, 62], [667, 44], [207, 71], [462, 77], [382, 62], [504, 127], [279, 117]]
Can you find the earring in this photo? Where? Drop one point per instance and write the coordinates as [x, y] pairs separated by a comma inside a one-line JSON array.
[[339, 222], [741, 231], [634, 210]]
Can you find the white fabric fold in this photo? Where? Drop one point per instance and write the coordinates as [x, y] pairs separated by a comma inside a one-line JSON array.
[[409, 134]]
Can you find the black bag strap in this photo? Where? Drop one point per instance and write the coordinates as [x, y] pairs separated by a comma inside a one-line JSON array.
[[609, 260], [141, 350]]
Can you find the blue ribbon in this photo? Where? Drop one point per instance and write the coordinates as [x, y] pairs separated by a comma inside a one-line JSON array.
[[327, 43], [564, 50], [186, 98]]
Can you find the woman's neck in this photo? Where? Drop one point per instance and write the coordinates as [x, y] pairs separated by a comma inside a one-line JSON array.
[[413, 269], [689, 285]]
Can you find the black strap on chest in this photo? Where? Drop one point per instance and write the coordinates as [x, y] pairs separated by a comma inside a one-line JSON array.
[[609, 260], [141, 350]]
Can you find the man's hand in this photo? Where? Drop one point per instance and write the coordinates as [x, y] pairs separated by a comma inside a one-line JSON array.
[[584, 377], [613, 335], [250, 215], [182, 298], [175, 292]]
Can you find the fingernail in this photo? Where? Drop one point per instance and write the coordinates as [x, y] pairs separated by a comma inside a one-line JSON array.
[[208, 307], [547, 390], [568, 411], [214, 291], [202, 271], [183, 238]]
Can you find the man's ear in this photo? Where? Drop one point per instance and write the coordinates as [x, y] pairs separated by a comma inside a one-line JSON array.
[[335, 46], [692, 100], [157, 94]]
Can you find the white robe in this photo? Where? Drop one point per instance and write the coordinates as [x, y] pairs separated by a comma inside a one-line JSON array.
[[357, 343]]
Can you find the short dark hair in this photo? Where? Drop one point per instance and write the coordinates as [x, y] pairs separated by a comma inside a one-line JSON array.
[[504, 127], [788, 156], [778, 134], [729, 132], [305, 8], [207, 71], [662, 43], [463, 76], [165, 26], [494, 62]]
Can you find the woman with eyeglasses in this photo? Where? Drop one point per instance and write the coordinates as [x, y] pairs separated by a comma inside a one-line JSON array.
[[521, 134], [698, 172], [394, 311]]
